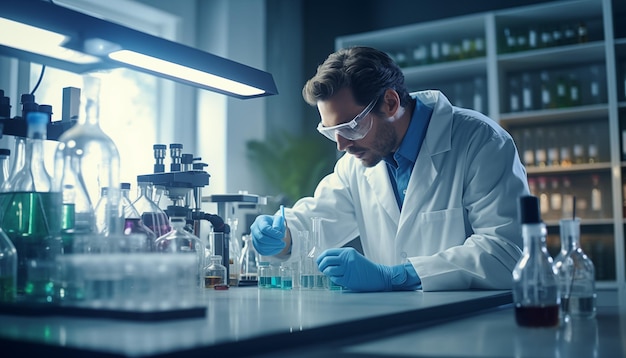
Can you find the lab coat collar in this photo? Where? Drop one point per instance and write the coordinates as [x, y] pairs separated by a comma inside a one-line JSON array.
[[437, 141]]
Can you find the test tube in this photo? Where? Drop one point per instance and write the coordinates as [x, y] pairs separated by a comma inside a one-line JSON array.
[[320, 281]]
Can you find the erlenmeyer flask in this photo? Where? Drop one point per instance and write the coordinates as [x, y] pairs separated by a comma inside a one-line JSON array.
[[133, 225], [151, 215]]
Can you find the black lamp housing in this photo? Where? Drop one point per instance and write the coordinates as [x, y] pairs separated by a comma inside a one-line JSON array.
[[83, 31]]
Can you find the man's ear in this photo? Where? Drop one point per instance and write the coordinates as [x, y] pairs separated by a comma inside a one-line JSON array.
[[391, 103]]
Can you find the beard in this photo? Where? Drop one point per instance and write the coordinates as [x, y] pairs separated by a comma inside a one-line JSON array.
[[383, 143]]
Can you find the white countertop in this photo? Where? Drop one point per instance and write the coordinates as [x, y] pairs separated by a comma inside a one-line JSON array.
[[258, 318]]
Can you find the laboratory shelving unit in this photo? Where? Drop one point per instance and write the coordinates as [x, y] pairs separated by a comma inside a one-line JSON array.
[[554, 76]]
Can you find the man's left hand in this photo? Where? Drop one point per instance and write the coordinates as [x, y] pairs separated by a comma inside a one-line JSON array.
[[348, 268]]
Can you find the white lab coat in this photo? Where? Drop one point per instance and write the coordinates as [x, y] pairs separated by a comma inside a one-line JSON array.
[[459, 224]]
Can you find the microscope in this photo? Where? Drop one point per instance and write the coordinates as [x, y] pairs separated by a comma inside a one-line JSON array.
[[183, 185]]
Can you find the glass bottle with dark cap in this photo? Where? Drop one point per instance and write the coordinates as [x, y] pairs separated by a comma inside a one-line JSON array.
[[535, 284]]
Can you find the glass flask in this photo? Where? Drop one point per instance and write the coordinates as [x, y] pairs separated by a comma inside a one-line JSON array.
[[92, 159], [8, 269], [215, 272], [535, 283], [249, 260], [576, 273], [180, 241], [32, 216], [151, 214], [142, 237], [4, 165]]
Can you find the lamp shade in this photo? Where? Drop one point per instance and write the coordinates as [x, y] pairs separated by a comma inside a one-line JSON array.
[[53, 35]]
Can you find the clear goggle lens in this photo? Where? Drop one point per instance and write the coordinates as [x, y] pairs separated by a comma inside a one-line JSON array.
[[354, 130]]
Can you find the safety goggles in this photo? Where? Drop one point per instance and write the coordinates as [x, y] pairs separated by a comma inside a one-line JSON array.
[[354, 130]]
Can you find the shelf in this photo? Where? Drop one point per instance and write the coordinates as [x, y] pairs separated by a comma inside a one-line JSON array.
[[423, 76], [583, 222], [599, 81], [555, 115], [576, 168], [553, 57]]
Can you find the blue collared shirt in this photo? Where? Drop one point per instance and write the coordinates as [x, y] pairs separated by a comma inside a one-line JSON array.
[[400, 164]]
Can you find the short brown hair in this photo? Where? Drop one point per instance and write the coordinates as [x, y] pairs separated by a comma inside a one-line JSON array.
[[367, 71]]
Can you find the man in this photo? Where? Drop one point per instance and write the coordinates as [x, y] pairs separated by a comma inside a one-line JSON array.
[[431, 189]]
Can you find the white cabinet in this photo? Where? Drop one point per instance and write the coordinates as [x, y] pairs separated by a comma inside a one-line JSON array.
[[553, 75]]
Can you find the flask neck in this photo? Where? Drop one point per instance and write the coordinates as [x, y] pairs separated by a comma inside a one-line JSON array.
[[534, 236]]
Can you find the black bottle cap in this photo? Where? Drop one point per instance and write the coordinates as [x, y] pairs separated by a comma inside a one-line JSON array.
[[529, 210], [27, 98], [125, 185]]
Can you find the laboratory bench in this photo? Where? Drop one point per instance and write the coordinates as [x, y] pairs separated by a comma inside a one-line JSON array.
[[247, 321]]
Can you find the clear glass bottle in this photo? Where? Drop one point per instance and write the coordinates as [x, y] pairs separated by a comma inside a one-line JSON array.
[[535, 282], [576, 273], [93, 158], [215, 272], [180, 241], [4, 165], [249, 260], [151, 214], [32, 216], [8, 269], [133, 225]]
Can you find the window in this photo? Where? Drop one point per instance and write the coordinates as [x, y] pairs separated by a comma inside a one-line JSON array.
[[131, 105]]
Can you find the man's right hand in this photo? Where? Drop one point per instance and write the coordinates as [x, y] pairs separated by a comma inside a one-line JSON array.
[[268, 233]]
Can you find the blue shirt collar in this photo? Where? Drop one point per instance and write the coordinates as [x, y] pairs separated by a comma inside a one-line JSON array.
[[414, 136]]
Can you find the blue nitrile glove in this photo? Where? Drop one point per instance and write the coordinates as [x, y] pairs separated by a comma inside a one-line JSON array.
[[348, 268], [268, 232]]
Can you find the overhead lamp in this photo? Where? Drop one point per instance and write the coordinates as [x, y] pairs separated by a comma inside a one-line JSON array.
[[54, 35]]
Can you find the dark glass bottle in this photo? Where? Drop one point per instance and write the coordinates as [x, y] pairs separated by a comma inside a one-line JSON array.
[[535, 283]]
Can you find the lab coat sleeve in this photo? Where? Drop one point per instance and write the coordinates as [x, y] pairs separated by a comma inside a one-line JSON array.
[[332, 202], [493, 181]]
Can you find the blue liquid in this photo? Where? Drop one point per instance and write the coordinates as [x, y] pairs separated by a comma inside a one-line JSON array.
[[265, 282], [275, 282], [333, 286], [307, 281], [287, 284]]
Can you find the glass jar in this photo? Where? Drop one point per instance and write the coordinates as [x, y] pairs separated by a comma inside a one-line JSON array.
[[215, 273], [180, 241]]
